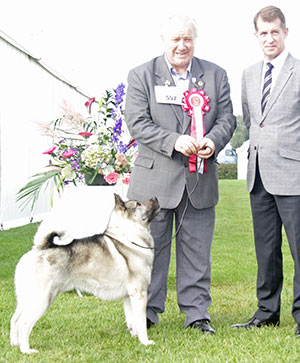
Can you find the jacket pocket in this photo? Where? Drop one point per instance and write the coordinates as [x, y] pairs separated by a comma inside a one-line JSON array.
[[144, 162], [290, 154]]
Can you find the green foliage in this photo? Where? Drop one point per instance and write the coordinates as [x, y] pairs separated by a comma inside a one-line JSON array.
[[89, 330], [240, 134], [227, 171], [29, 194]]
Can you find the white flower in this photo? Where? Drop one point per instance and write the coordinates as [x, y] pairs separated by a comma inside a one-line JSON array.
[[68, 173], [110, 123]]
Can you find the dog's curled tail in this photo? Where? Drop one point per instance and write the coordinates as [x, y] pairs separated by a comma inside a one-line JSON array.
[[52, 240]]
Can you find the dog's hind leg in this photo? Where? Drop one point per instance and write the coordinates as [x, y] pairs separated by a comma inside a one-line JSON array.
[[14, 335], [129, 317], [138, 300], [30, 314]]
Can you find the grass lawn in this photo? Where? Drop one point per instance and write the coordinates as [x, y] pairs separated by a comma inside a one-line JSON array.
[[88, 330]]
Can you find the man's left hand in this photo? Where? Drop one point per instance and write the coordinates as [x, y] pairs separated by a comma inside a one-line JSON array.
[[207, 148]]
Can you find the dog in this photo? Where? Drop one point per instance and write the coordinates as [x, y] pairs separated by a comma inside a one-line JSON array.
[[116, 264]]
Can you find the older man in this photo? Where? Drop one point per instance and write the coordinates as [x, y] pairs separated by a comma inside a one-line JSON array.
[[178, 108]]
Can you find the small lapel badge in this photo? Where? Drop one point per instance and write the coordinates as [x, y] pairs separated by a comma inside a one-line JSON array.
[[199, 84]]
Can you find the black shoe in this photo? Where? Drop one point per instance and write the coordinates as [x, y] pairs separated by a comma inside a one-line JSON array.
[[203, 325], [149, 323], [298, 331], [256, 323]]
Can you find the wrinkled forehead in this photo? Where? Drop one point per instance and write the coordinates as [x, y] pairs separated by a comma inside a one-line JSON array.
[[178, 27]]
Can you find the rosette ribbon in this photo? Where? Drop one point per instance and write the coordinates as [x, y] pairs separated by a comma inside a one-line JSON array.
[[196, 103]]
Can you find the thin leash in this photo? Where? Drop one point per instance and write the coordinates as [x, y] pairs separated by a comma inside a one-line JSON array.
[[179, 226], [146, 248], [134, 243], [183, 214]]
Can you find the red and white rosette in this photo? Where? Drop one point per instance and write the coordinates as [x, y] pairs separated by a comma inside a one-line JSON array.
[[196, 103]]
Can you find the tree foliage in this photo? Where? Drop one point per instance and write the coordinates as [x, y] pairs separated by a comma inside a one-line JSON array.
[[240, 134]]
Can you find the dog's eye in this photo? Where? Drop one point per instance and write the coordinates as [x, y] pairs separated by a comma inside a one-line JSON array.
[[138, 204]]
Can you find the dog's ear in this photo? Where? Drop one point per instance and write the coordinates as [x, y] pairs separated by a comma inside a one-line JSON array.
[[119, 204]]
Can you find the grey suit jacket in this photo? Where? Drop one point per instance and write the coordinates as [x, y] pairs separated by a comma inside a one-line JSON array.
[[275, 136], [159, 170]]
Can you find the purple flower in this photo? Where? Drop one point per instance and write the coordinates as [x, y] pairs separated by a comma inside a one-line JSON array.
[[119, 91], [122, 148]]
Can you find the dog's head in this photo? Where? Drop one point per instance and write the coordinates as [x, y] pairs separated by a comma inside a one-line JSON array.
[[142, 213]]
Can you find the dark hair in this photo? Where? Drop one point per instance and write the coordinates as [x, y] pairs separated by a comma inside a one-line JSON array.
[[270, 13]]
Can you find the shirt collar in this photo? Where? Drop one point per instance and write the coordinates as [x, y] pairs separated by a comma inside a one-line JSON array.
[[176, 74], [278, 61]]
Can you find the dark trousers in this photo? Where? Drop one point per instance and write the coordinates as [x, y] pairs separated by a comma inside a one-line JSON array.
[[269, 213]]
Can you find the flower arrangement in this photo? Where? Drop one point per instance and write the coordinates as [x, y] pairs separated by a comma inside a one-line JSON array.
[[85, 148]]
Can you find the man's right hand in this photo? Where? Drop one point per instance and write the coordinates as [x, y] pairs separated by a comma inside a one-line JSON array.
[[187, 145]]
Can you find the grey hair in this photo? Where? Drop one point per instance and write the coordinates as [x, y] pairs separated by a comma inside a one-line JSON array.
[[183, 18]]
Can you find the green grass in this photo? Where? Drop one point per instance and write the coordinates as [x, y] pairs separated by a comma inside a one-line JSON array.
[[89, 330]]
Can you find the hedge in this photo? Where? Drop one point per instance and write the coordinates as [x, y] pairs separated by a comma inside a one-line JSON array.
[[227, 171]]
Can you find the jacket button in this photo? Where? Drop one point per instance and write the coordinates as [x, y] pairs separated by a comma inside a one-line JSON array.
[[254, 148]]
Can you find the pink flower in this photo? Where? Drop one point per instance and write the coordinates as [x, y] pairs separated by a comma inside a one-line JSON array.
[[121, 160], [85, 134], [134, 157], [126, 179], [111, 178], [68, 154], [50, 151], [89, 103]]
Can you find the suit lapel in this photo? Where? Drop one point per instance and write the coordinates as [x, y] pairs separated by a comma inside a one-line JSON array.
[[164, 78], [163, 75], [254, 84], [283, 77], [196, 81]]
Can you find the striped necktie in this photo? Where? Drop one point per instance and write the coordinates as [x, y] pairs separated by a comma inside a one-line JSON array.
[[267, 86]]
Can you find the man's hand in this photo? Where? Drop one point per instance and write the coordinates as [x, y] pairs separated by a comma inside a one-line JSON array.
[[187, 145], [207, 148]]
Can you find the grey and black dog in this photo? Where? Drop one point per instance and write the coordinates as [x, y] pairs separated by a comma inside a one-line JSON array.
[[114, 265]]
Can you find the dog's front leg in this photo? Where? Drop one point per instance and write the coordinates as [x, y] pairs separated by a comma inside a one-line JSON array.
[[138, 300]]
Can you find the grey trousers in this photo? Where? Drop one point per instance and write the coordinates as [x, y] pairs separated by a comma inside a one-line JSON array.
[[193, 260]]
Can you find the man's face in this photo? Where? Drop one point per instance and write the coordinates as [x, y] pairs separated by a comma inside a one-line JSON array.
[[271, 37], [179, 44]]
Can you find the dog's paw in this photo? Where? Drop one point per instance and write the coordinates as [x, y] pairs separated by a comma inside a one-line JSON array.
[[148, 342], [132, 331], [78, 293], [14, 341], [29, 351]]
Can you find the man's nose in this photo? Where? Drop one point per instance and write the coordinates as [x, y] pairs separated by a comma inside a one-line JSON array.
[[181, 43], [270, 37]]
